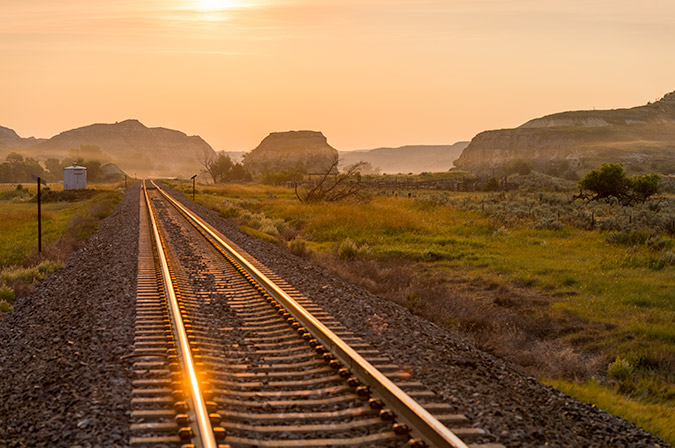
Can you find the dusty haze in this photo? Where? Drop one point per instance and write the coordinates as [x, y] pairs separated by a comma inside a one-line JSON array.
[[367, 73]]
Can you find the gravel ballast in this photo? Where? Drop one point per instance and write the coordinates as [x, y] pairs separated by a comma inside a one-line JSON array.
[[63, 382], [514, 407]]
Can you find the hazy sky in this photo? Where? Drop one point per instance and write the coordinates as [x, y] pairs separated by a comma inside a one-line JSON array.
[[367, 73]]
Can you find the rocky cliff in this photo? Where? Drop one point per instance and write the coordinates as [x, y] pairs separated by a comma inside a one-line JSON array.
[[134, 147], [307, 151], [641, 137]]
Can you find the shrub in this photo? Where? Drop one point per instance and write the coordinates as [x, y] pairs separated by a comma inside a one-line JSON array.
[[491, 185], [269, 228], [5, 307], [298, 247], [32, 275], [412, 302], [620, 369], [347, 249], [627, 237], [658, 244], [664, 260], [6, 294], [48, 267]]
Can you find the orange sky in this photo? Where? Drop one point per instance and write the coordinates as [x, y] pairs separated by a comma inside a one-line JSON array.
[[367, 73]]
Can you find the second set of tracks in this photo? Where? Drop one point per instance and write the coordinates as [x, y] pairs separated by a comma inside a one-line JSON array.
[[228, 354]]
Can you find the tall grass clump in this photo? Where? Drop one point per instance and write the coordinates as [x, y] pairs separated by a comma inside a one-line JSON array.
[[348, 249], [298, 247], [620, 369], [6, 294]]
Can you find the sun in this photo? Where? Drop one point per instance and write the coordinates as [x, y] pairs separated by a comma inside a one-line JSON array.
[[215, 5]]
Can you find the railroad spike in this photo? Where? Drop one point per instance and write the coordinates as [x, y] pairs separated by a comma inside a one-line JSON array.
[[353, 382], [387, 415], [180, 407], [182, 419], [219, 432], [400, 429], [215, 418], [185, 433]]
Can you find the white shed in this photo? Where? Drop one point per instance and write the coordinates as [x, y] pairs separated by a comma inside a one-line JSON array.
[[74, 177]]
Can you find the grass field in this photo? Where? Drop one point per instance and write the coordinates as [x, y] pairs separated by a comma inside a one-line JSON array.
[[65, 224], [565, 287]]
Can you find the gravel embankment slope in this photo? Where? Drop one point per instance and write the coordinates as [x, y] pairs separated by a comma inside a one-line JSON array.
[[514, 407], [62, 382]]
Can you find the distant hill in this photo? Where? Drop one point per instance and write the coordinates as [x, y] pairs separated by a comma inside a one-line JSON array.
[[643, 138], [132, 146], [10, 140], [305, 150], [407, 159]]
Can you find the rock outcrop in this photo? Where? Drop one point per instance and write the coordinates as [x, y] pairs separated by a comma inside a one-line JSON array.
[[643, 135], [306, 151], [133, 147]]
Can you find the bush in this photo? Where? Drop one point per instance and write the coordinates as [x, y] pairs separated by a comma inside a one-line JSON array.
[[5, 307], [620, 369], [492, 185], [628, 237], [6, 294], [298, 247], [32, 275], [347, 249]]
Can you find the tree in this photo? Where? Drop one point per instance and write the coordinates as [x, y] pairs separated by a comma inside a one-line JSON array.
[[206, 158], [519, 166], [333, 186], [611, 181], [54, 167], [491, 185], [221, 167], [645, 185], [606, 182]]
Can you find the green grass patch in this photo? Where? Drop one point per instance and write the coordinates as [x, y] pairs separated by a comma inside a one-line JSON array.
[[18, 228], [258, 234], [656, 418]]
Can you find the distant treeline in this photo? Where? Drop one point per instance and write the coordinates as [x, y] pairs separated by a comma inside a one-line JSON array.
[[16, 168]]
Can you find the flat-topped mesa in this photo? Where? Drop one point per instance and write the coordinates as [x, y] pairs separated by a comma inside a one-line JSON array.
[[306, 151], [643, 136]]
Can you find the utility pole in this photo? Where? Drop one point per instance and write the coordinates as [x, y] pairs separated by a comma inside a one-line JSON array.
[[39, 181], [193, 187]]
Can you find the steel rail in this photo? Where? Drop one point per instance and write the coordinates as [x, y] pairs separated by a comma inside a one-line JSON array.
[[425, 425], [205, 436]]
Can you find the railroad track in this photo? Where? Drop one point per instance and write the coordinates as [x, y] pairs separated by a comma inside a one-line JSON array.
[[228, 354]]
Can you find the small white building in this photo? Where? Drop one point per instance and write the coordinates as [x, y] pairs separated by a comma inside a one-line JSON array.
[[74, 177]]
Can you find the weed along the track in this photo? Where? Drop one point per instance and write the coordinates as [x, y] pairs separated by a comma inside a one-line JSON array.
[[560, 288]]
